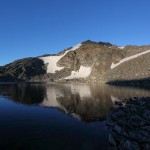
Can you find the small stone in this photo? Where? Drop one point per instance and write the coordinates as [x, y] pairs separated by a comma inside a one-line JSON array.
[[146, 114], [146, 128], [112, 140], [147, 146], [118, 103], [129, 145], [118, 129]]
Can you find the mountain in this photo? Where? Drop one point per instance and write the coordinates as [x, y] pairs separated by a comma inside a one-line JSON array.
[[86, 62]]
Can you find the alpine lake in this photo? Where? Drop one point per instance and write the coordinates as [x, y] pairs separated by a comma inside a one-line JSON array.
[[56, 116]]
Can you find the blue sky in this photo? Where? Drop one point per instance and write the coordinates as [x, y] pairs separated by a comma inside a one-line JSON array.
[[36, 27]]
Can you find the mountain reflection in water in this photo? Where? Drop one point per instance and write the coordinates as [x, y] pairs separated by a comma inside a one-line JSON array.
[[84, 102]]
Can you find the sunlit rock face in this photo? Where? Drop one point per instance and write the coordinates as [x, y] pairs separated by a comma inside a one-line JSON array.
[[103, 62], [85, 62]]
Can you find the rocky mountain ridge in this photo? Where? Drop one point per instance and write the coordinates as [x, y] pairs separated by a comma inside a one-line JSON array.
[[86, 62]]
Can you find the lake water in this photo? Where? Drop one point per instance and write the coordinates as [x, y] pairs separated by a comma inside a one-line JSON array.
[[58, 116]]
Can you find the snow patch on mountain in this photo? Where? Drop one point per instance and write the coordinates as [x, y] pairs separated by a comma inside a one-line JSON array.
[[75, 47], [51, 61], [82, 73], [128, 58], [121, 47]]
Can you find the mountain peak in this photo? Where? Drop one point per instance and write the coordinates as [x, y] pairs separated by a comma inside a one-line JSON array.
[[101, 43], [105, 43], [88, 42]]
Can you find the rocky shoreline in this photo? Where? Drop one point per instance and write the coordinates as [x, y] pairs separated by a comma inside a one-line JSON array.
[[129, 124]]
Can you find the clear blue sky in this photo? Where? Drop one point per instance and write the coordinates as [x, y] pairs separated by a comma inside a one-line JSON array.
[[36, 27]]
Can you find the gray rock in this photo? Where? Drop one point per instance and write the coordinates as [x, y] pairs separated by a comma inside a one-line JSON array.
[[112, 140], [22, 70], [118, 103], [146, 146], [118, 129], [129, 145], [146, 128]]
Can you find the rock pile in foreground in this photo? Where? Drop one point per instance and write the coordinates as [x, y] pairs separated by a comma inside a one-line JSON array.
[[129, 125]]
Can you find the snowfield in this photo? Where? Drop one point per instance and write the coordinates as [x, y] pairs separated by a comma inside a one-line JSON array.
[[52, 60], [128, 58], [121, 47], [82, 73]]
